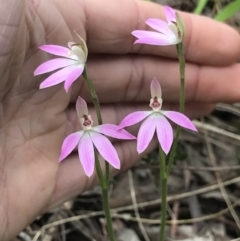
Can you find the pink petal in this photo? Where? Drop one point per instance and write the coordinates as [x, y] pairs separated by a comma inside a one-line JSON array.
[[164, 133], [160, 26], [53, 64], [180, 119], [69, 144], [133, 118], [146, 133], [155, 87], [56, 50], [81, 107], [105, 149], [57, 77], [73, 76], [113, 131], [170, 14], [86, 154], [153, 38]]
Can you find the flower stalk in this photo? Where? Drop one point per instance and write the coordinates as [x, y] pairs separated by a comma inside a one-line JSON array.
[[181, 59], [98, 111], [93, 95], [104, 186], [103, 180], [165, 171], [163, 178]]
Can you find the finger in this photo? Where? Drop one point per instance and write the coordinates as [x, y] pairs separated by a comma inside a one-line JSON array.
[[109, 30], [206, 41], [127, 79]]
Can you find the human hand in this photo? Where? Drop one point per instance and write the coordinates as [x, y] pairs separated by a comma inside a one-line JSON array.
[[34, 122]]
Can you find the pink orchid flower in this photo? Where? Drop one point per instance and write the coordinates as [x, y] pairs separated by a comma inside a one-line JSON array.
[[170, 32], [72, 64], [156, 120], [93, 137]]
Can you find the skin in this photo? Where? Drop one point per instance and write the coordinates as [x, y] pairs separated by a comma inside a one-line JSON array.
[[34, 122]]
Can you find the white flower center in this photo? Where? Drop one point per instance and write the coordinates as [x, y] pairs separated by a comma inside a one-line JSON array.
[[86, 122], [156, 104]]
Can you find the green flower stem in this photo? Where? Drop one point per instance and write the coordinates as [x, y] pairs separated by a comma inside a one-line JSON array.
[[93, 94], [181, 59], [99, 169], [104, 180], [163, 178], [173, 150], [104, 187], [107, 213], [98, 111]]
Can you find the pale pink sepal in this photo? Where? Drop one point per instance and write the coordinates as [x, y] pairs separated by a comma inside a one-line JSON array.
[[180, 119], [154, 38], [86, 154], [145, 133], [114, 131], [133, 118], [56, 50], [170, 14], [155, 88], [160, 26], [105, 149], [69, 144], [57, 77], [164, 133], [73, 76], [81, 107], [53, 64]]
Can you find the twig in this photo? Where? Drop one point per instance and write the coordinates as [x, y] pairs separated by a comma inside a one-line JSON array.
[[174, 218], [129, 218], [219, 179], [205, 169], [140, 205], [237, 239], [230, 108], [183, 221], [135, 205], [216, 130], [179, 196]]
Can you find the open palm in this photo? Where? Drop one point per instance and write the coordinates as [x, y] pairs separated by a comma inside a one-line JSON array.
[[34, 122]]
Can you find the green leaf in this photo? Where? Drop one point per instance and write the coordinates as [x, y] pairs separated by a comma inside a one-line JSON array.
[[200, 6], [228, 11]]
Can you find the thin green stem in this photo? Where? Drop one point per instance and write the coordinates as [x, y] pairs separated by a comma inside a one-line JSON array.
[[173, 151], [98, 111], [181, 59], [93, 94], [107, 213], [104, 181], [163, 178], [99, 169], [104, 187]]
